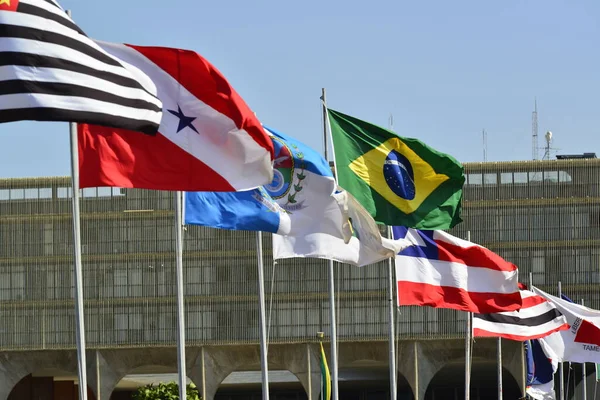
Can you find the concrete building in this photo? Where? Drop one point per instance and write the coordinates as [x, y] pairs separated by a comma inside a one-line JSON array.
[[542, 215]]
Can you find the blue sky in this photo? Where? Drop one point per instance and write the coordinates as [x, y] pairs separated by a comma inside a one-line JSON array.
[[445, 70]]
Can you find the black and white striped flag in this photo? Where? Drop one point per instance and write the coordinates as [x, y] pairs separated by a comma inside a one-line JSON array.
[[537, 318], [51, 71]]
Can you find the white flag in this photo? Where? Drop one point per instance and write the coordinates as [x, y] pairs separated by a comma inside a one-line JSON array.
[[358, 242], [581, 342]]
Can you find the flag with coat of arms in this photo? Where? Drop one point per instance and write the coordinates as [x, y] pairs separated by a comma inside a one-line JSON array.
[[303, 206]]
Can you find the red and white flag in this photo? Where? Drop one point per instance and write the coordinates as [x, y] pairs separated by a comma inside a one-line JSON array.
[[208, 140], [537, 318], [443, 271], [581, 342]]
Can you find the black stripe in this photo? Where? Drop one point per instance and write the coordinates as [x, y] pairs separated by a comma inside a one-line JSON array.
[[54, 4], [536, 320], [37, 61], [67, 89], [40, 12], [21, 32], [57, 114]]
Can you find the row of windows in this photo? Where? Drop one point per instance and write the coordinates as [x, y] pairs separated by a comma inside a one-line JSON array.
[[545, 223], [517, 178], [131, 325]]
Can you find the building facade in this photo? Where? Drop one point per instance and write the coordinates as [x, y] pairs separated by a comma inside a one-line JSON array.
[[543, 216]]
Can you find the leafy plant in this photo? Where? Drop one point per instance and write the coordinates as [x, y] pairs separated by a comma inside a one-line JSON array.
[[165, 391]]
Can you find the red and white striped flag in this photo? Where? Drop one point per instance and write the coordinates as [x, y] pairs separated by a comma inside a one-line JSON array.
[[536, 319], [208, 140], [443, 271]]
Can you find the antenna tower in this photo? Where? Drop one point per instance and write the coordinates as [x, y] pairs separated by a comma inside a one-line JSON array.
[[391, 122], [534, 131]]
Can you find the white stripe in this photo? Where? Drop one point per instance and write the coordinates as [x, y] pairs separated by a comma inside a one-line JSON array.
[[29, 100], [44, 24], [69, 77], [518, 330], [50, 8], [53, 50], [235, 155], [63, 52], [448, 238], [456, 275], [529, 312]]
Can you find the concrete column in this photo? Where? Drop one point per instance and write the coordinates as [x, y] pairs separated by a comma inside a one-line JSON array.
[[214, 364], [302, 361], [418, 363]]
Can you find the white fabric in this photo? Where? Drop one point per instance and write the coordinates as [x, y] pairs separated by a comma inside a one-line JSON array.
[[562, 346], [236, 156], [325, 239]]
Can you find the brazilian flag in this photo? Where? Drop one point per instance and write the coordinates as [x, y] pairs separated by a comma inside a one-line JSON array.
[[325, 377], [400, 181]]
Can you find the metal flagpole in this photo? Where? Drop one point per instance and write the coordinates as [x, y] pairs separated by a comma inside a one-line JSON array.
[[181, 364], [583, 372], [468, 348], [392, 335], [79, 315], [499, 360], [264, 367], [561, 372], [334, 358]]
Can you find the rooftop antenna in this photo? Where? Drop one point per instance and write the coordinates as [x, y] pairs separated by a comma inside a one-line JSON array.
[[534, 130], [548, 149], [391, 122], [484, 134]]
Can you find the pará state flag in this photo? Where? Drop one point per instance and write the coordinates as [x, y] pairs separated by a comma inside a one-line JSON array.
[[303, 206], [400, 181], [581, 342]]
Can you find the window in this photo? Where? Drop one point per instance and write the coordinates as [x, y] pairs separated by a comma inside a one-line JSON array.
[[538, 267], [474, 179], [490, 179], [506, 177]]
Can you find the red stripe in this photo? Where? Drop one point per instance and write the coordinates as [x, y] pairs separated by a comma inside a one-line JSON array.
[[484, 333], [119, 158], [533, 301], [205, 82], [422, 294], [473, 256]]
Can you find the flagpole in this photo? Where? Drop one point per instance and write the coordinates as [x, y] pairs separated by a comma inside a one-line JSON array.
[[499, 360], [468, 348], [333, 334], [78, 269], [561, 373], [334, 363], [79, 315], [181, 364], [392, 310], [583, 372], [392, 335], [264, 367]]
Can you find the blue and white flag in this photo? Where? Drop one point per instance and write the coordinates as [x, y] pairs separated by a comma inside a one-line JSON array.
[[540, 372], [309, 215]]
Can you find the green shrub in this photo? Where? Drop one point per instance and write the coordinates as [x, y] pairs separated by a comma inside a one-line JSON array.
[[165, 391]]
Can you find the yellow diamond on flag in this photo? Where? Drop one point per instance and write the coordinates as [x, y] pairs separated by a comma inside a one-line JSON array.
[[398, 174]]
